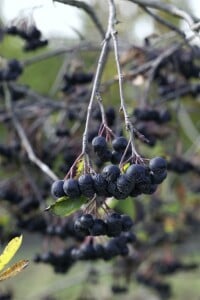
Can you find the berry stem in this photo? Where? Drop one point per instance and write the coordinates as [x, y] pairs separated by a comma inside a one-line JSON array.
[[104, 126], [96, 83], [128, 124]]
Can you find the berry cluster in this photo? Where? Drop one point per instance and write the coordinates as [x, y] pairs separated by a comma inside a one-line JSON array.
[[144, 114], [61, 262], [169, 267], [138, 179], [76, 78], [162, 288], [112, 226], [32, 37], [114, 247], [104, 154], [180, 165], [11, 71]]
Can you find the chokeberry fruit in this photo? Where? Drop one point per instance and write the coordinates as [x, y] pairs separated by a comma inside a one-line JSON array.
[[99, 144], [119, 144], [111, 173], [86, 185], [57, 189], [71, 188], [158, 164]]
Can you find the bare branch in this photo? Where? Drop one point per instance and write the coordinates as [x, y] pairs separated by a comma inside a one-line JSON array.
[[96, 83], [88, 9], [24, 139], [83, 47], [163, 21], [128, 123], [168, 8]]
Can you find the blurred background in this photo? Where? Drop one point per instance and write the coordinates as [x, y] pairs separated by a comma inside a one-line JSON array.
[[66, 27]]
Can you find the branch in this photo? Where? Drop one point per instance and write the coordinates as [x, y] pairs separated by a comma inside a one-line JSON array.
[[129, 125], [88, 9], [60, 51], [24, 139], [96, 83], [163, 21], [169, 8]]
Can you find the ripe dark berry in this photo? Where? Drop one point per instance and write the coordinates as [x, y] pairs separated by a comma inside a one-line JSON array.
[[87, 221], [87, 252], [157, 164], [113, 191], [116, 157], [125, 185], [119, 144], [100, 185], [86, 185], [157, 178], [127, 222], [71, 188], [78, 227], [57, 189], [99, 144], [111, 249], [114, 224], [130, 237], [111, 173], [105, 155], [98, 228], [136, 172]]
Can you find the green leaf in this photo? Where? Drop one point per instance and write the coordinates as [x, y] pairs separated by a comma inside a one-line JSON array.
[[65, 206]]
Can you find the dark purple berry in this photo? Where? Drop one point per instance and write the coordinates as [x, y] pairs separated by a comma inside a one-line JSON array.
[[86, 185], [119, 144], [71, 188], [157, 178], [127, 222], [137, 173], [87, 221], [114, 224], [125, 185], [100, 185], [111, 173], [158, 164], [99, 144], [57, 189], [98, 228]]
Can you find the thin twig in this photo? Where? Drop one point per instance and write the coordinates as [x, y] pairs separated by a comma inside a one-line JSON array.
[[24, 139], [80, 47], [163, 21], [89, 10], [128, 124], [169, 8], [96, 83]]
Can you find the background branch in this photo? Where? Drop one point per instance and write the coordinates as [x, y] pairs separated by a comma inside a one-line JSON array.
[[89, 10]]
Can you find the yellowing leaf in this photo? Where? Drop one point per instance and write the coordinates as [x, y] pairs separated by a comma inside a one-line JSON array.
[[79, 168], [10, 251], [13, 270], [125, 167]]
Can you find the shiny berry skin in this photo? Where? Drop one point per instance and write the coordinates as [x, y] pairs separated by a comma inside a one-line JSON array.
[[119, 144], [71, 188], [111, 172], [57, 189], [99, 144], [157, 164]]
